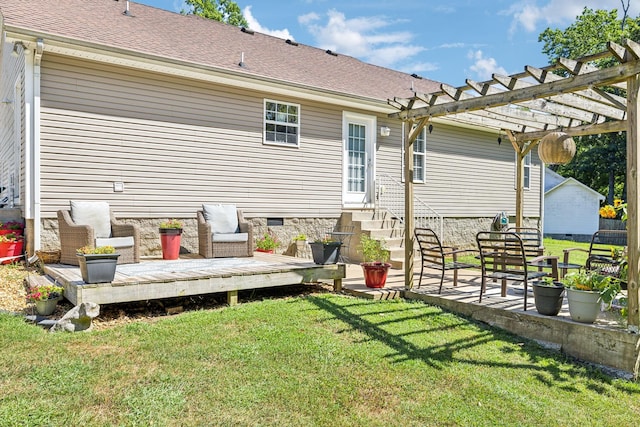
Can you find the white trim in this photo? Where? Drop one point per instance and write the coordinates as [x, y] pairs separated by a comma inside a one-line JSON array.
[[297, 125]]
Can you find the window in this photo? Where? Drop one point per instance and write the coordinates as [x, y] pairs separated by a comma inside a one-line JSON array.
[[527, 171], [419, 157], [281, 123]]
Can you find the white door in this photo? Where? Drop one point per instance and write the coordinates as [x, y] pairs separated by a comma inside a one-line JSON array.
[[359, 162]]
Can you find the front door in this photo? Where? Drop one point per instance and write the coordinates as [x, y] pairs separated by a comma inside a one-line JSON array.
[[359, 161]]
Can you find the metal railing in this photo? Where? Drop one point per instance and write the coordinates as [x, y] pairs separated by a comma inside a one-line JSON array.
[[390, 198]]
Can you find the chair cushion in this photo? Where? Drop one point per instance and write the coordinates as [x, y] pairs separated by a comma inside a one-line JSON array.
[[95, 214], [116, 242], [229, 237], [222, 218]]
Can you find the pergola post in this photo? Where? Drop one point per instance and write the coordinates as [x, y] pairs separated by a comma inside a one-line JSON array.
[[411, 132], [521, 150], [633, 226]]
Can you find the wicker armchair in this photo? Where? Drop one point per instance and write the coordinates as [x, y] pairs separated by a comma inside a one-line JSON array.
[[74, 236], [211, 246]]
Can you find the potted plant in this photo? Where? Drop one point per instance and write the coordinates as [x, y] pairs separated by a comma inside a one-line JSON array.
[[45, 297], [586, 290], [325, 250], [10, 247], [375, 265], [548, 295], [170, 233], [267, 243], [97, 265], [300, 242]]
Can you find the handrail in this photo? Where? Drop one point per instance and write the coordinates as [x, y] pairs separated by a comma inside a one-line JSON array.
[[390, 197]]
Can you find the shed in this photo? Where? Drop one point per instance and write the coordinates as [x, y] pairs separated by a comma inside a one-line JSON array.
[[570, 208]]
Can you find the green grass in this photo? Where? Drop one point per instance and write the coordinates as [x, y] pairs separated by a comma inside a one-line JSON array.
[[319, 360]]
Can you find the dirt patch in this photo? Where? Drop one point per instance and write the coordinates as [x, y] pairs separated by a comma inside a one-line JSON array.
[[13, 291]]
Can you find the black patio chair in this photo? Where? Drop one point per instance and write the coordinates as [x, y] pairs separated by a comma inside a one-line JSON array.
[[434, 255]]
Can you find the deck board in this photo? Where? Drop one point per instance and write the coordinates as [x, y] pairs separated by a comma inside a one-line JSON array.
[[156, 279]]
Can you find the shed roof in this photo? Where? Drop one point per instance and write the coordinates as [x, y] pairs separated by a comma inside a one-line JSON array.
[[565, 182], [190, 39]]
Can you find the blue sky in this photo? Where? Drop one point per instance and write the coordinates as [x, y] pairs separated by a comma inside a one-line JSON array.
[[444, 40]]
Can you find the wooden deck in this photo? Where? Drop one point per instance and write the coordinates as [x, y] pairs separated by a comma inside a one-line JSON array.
[[192, 275]]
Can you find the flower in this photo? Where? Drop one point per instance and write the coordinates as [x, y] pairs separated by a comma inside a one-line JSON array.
[[12, 225], [11, 237], [268, 242], [86, 250], [44, 292], [172, 223], [608, 211]]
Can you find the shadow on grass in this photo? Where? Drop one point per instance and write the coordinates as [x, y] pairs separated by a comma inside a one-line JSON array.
[[559, 373]]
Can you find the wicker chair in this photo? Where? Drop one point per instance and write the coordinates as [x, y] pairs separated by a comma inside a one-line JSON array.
[[74, 236], [212, 246]]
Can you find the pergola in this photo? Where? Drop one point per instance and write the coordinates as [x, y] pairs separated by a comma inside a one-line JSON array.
[[529, 105]]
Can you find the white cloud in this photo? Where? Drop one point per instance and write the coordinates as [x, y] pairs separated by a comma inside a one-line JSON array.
[[532, 15], [255, 26], [362, 37], [484, 67]]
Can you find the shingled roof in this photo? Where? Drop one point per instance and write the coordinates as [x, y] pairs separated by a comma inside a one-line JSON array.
[[162, 35]]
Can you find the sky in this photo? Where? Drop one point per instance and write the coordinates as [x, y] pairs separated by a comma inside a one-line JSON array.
[[443, 40]]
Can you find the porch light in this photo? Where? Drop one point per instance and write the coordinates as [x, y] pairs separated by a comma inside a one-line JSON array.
[[385, 131], [16, 49], [556, 148]]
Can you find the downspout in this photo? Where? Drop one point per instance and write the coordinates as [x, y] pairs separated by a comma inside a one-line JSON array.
[[32, 146], [541, 216]]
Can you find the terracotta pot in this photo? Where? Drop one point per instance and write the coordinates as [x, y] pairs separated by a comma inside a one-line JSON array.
[[266, 251], [375, 274]]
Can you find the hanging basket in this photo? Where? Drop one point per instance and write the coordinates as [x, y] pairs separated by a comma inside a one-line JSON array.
[[556, 148]]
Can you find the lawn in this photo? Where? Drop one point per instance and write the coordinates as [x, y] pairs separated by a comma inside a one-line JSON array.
[[312, 360]]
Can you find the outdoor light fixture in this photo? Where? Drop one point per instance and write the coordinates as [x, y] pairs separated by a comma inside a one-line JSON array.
[[385, 131], [16, 51]]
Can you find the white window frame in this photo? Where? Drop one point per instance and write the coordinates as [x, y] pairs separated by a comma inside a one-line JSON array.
[[278, 121], [423, 155], [526, 182]]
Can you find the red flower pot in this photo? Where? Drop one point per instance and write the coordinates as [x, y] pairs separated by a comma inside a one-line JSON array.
[[10, 249], [170, 241], [375, 274], [266, 251]]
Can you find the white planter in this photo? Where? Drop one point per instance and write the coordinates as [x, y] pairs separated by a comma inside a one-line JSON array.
[[584, 306]]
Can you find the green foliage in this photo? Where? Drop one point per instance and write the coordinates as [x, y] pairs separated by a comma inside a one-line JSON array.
[[87, 250], [267, 242], [44, 292], [172, 223], [300, 238], [218, 10], [592, 281], [600, 160], [373, 250]]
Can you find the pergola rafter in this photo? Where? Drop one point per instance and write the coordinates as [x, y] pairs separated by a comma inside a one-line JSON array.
[[527, 106]]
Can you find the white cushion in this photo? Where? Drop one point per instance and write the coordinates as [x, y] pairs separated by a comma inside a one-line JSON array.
[[222, 218], [229, 237], [95, 214], [116, 242]]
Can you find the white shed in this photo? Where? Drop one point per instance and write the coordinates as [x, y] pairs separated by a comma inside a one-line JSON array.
[[570, 207]]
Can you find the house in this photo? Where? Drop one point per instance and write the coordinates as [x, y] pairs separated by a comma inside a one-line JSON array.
[[570, 208], [157, 113]]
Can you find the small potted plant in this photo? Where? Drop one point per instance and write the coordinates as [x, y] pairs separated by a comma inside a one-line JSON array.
[[45, 297], [586, 291], [548, 295], [97, 264], [267, 243], [170, 234], [325, 250], [375, 265], [300, 242]]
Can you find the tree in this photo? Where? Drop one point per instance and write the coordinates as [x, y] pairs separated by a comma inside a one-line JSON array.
[[219, 10], [600, 161]]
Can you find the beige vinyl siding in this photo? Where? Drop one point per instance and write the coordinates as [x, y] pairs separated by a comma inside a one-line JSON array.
[[176, 144], [467, 173], [11, 154]]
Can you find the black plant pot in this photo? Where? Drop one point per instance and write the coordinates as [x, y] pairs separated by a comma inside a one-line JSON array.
[[548, 299], [98, 268], [325, 253]]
